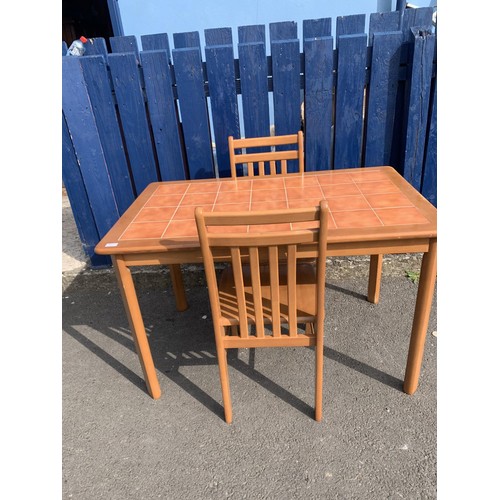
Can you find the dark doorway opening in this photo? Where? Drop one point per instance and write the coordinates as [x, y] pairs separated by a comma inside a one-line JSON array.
[[89, 18]]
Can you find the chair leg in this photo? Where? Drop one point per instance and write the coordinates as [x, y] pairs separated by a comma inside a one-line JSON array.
[[318, 413], [224, 378], [178, 286]]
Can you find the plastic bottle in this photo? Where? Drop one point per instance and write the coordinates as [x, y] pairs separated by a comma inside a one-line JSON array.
[[77, 48]]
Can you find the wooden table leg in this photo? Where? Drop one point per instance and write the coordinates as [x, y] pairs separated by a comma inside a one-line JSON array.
[[375, 278], [423, 306], [127, 289], [178, 286]]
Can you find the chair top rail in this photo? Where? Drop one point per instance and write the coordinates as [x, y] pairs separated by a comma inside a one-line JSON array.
[[260, 217], [265, 141]]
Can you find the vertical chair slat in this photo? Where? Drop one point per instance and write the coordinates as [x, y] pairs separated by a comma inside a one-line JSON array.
[[250, 169], [240, 291], [231, 156], [284, 167], [256, 290], [261, 168], [273, 167], [291, 289], [275, 290]]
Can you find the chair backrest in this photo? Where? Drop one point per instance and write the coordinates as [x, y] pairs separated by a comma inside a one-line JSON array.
[[276, 160], [260, 243]]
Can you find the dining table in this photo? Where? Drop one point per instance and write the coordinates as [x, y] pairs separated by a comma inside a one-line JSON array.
[[373, 211]]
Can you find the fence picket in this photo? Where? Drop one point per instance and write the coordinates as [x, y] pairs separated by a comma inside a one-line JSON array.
[[349, 101], [254, 94], [382, 22], [349, 25], [84, 134], [80, 206], [418, 107], [286, 90], [384, 81], [429, 176], [223, 101], [284, 30], [218, 36], [421, 17], [194, 112], [318, 55], [163, 115], [124, 44], [98, 86], [157, 41], [252, 34], [96, 47], [190, 39], [315, 28], [130, 100]]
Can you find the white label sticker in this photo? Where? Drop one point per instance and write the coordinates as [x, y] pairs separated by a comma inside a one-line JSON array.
[[111, 245]]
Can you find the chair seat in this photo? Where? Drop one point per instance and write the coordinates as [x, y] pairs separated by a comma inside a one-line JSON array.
[[306, 295]]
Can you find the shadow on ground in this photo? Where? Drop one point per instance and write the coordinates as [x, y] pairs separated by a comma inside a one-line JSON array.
[[375, 441]]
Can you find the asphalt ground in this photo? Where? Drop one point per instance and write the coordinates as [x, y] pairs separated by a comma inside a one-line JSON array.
[[374, 442]]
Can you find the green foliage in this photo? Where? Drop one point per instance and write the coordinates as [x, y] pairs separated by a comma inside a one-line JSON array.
[[412, 276]]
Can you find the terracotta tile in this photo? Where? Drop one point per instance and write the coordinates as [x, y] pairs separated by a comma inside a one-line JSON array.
[[268, 183], [164, 201], [300, 181], [304, 203], [268, 195], [236, 185], [269, 205], [339, 190], [352, 202], [203, 187], [356, 218], [181, 228], [266, 228], [168, 188], [331, 178], [388, 200], [155, 214], [187, 212], [296, 193], [377, 187], [141, 230], [397, 216], [331, 222], [198, 199], [233, 197], [231, 207], [366, 174]]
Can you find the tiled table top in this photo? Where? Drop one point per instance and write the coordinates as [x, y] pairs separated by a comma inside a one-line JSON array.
[[365, 203]]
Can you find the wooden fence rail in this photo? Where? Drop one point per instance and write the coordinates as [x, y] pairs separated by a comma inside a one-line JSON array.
[[133, 117]]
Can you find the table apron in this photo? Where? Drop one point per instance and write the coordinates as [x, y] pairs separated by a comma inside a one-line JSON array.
[[193, 256]]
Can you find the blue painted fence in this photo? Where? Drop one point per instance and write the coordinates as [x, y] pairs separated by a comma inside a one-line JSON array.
[[133, 117]]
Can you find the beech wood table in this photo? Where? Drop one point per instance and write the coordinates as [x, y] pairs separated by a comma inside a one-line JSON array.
[[373, 211]]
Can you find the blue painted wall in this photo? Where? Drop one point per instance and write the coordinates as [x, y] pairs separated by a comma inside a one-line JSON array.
[[177, 16]]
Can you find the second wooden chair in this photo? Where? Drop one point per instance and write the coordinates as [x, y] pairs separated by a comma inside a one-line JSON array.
[[274, 161]]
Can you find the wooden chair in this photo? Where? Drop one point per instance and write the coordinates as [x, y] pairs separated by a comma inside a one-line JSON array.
[[278, 160], [265, 285]]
